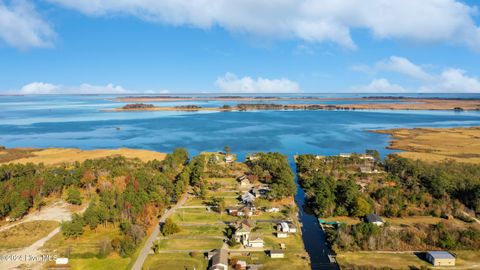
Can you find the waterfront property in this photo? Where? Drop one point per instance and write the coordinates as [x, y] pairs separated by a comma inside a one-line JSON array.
[[440, 258]]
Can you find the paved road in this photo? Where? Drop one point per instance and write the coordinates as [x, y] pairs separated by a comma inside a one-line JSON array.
[[151, 239]]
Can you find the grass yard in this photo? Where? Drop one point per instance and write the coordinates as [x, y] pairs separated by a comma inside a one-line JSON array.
[[225, 182], [85, 245], [343, 219], [223, 193], [202, 230], [467, 259], [293, 242], [175, 261], [25, 234], [190, 244], [200, 215], [291, 261], [114, 262], [379, 260]]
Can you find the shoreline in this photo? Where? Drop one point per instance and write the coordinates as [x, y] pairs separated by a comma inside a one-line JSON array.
[[406, 104]]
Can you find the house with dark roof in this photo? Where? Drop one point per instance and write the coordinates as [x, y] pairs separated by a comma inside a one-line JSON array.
[[374, 219]]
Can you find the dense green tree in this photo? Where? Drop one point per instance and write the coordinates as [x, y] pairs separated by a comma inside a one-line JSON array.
[[73, 196], [169, 227]]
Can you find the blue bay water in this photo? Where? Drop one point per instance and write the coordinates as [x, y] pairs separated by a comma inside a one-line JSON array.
[[79, 121]]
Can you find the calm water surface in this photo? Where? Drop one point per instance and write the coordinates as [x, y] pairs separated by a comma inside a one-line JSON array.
[[78, 121]]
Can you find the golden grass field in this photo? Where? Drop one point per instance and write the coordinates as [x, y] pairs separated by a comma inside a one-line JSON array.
[[436, 144], [51, 156], [468, 259], [25, 234]]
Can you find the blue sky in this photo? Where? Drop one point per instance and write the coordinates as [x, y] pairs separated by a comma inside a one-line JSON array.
[[66, 46]]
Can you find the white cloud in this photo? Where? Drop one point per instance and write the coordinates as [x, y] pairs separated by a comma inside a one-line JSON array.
[[231, 83], [403, 66], [22, 27], [40, 88], [453, 80], [380, 86], [444, 21], [448, 81]]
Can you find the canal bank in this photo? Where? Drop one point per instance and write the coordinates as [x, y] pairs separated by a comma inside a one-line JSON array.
[[313, 236]]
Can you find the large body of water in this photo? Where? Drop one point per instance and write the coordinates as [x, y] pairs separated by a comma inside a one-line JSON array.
[[78, 121]]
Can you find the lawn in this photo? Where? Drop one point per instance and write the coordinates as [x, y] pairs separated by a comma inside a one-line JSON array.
[[190, 244], [291, 261], [379, 260], [202, 230], [226, 182], [174, 261], [25, 234], [466, 258], [293, 242], [114, 262], [199, 215], [343, 219]]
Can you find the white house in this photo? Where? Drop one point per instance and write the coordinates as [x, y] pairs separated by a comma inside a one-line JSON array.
[[283, 227], [229, 158], [256, 243], [248, 198], [282, 235], [272, 210]]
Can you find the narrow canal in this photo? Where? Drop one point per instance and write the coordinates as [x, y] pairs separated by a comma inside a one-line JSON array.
[[313, 236]]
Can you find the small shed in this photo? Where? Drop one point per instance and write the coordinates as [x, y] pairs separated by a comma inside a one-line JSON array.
[[277, 254], [441, 258], [374, 219], [256, 243], [282, 235]]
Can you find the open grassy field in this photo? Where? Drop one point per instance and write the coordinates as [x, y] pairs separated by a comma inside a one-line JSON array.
[[200, 215], [202, 230], [174, 261], [190, 244], [465, 260], [52, 156], [114, 262], [25, 234], [293, 242], [379, 260], [436, 144], [86, 245]]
